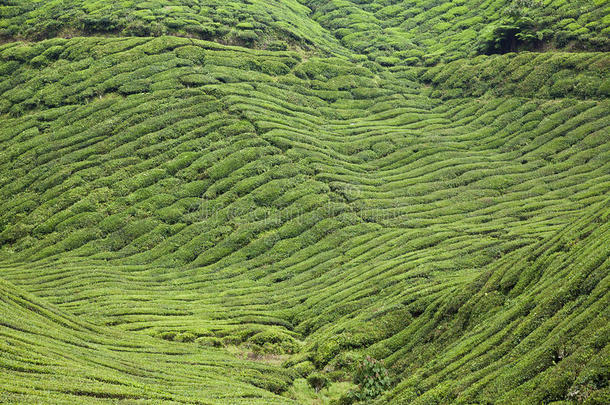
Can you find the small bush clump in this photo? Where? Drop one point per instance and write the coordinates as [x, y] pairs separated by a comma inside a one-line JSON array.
[[372, 378], [317, 381]]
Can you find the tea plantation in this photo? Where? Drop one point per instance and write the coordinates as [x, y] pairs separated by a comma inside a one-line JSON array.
[[282, 202]]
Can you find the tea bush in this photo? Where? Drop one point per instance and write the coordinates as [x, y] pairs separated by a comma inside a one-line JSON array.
[[317, 381]]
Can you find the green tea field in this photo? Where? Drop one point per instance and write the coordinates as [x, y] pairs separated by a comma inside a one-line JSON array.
[[305, 202]]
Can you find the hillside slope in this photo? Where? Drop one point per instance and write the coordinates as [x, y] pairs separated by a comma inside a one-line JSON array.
[[189, 222], [49, 356]]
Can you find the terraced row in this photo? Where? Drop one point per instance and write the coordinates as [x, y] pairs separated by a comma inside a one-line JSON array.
[[407, 32], [541, 75], [416, 32], [48, 356], [254, 23]]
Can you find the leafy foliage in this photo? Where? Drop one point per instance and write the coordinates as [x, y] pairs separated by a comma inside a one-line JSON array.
[[372, 379], [317, 381]]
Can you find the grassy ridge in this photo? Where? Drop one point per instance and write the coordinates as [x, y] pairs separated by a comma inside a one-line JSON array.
[[313, 209]]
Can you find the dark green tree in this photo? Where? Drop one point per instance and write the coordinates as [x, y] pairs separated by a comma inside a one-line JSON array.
[[519, 27]]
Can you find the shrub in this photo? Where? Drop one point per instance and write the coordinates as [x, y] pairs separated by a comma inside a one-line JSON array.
[[197, 79], [372, 378], [274, 342], [185, 337], [192, 53], [13, 232], [53, 52], [411, 61], [326, 351], [21, 53], [93, 24], [170, 215], [248, 37], [304, 368], [245, 25], [272, 67], [209, 341], [167, 335], [39, 61], [317, 381], [277, 46], [604, 88], [388, 60], [134, 87]]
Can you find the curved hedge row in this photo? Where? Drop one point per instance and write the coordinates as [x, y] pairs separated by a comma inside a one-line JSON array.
[[541, 75]]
